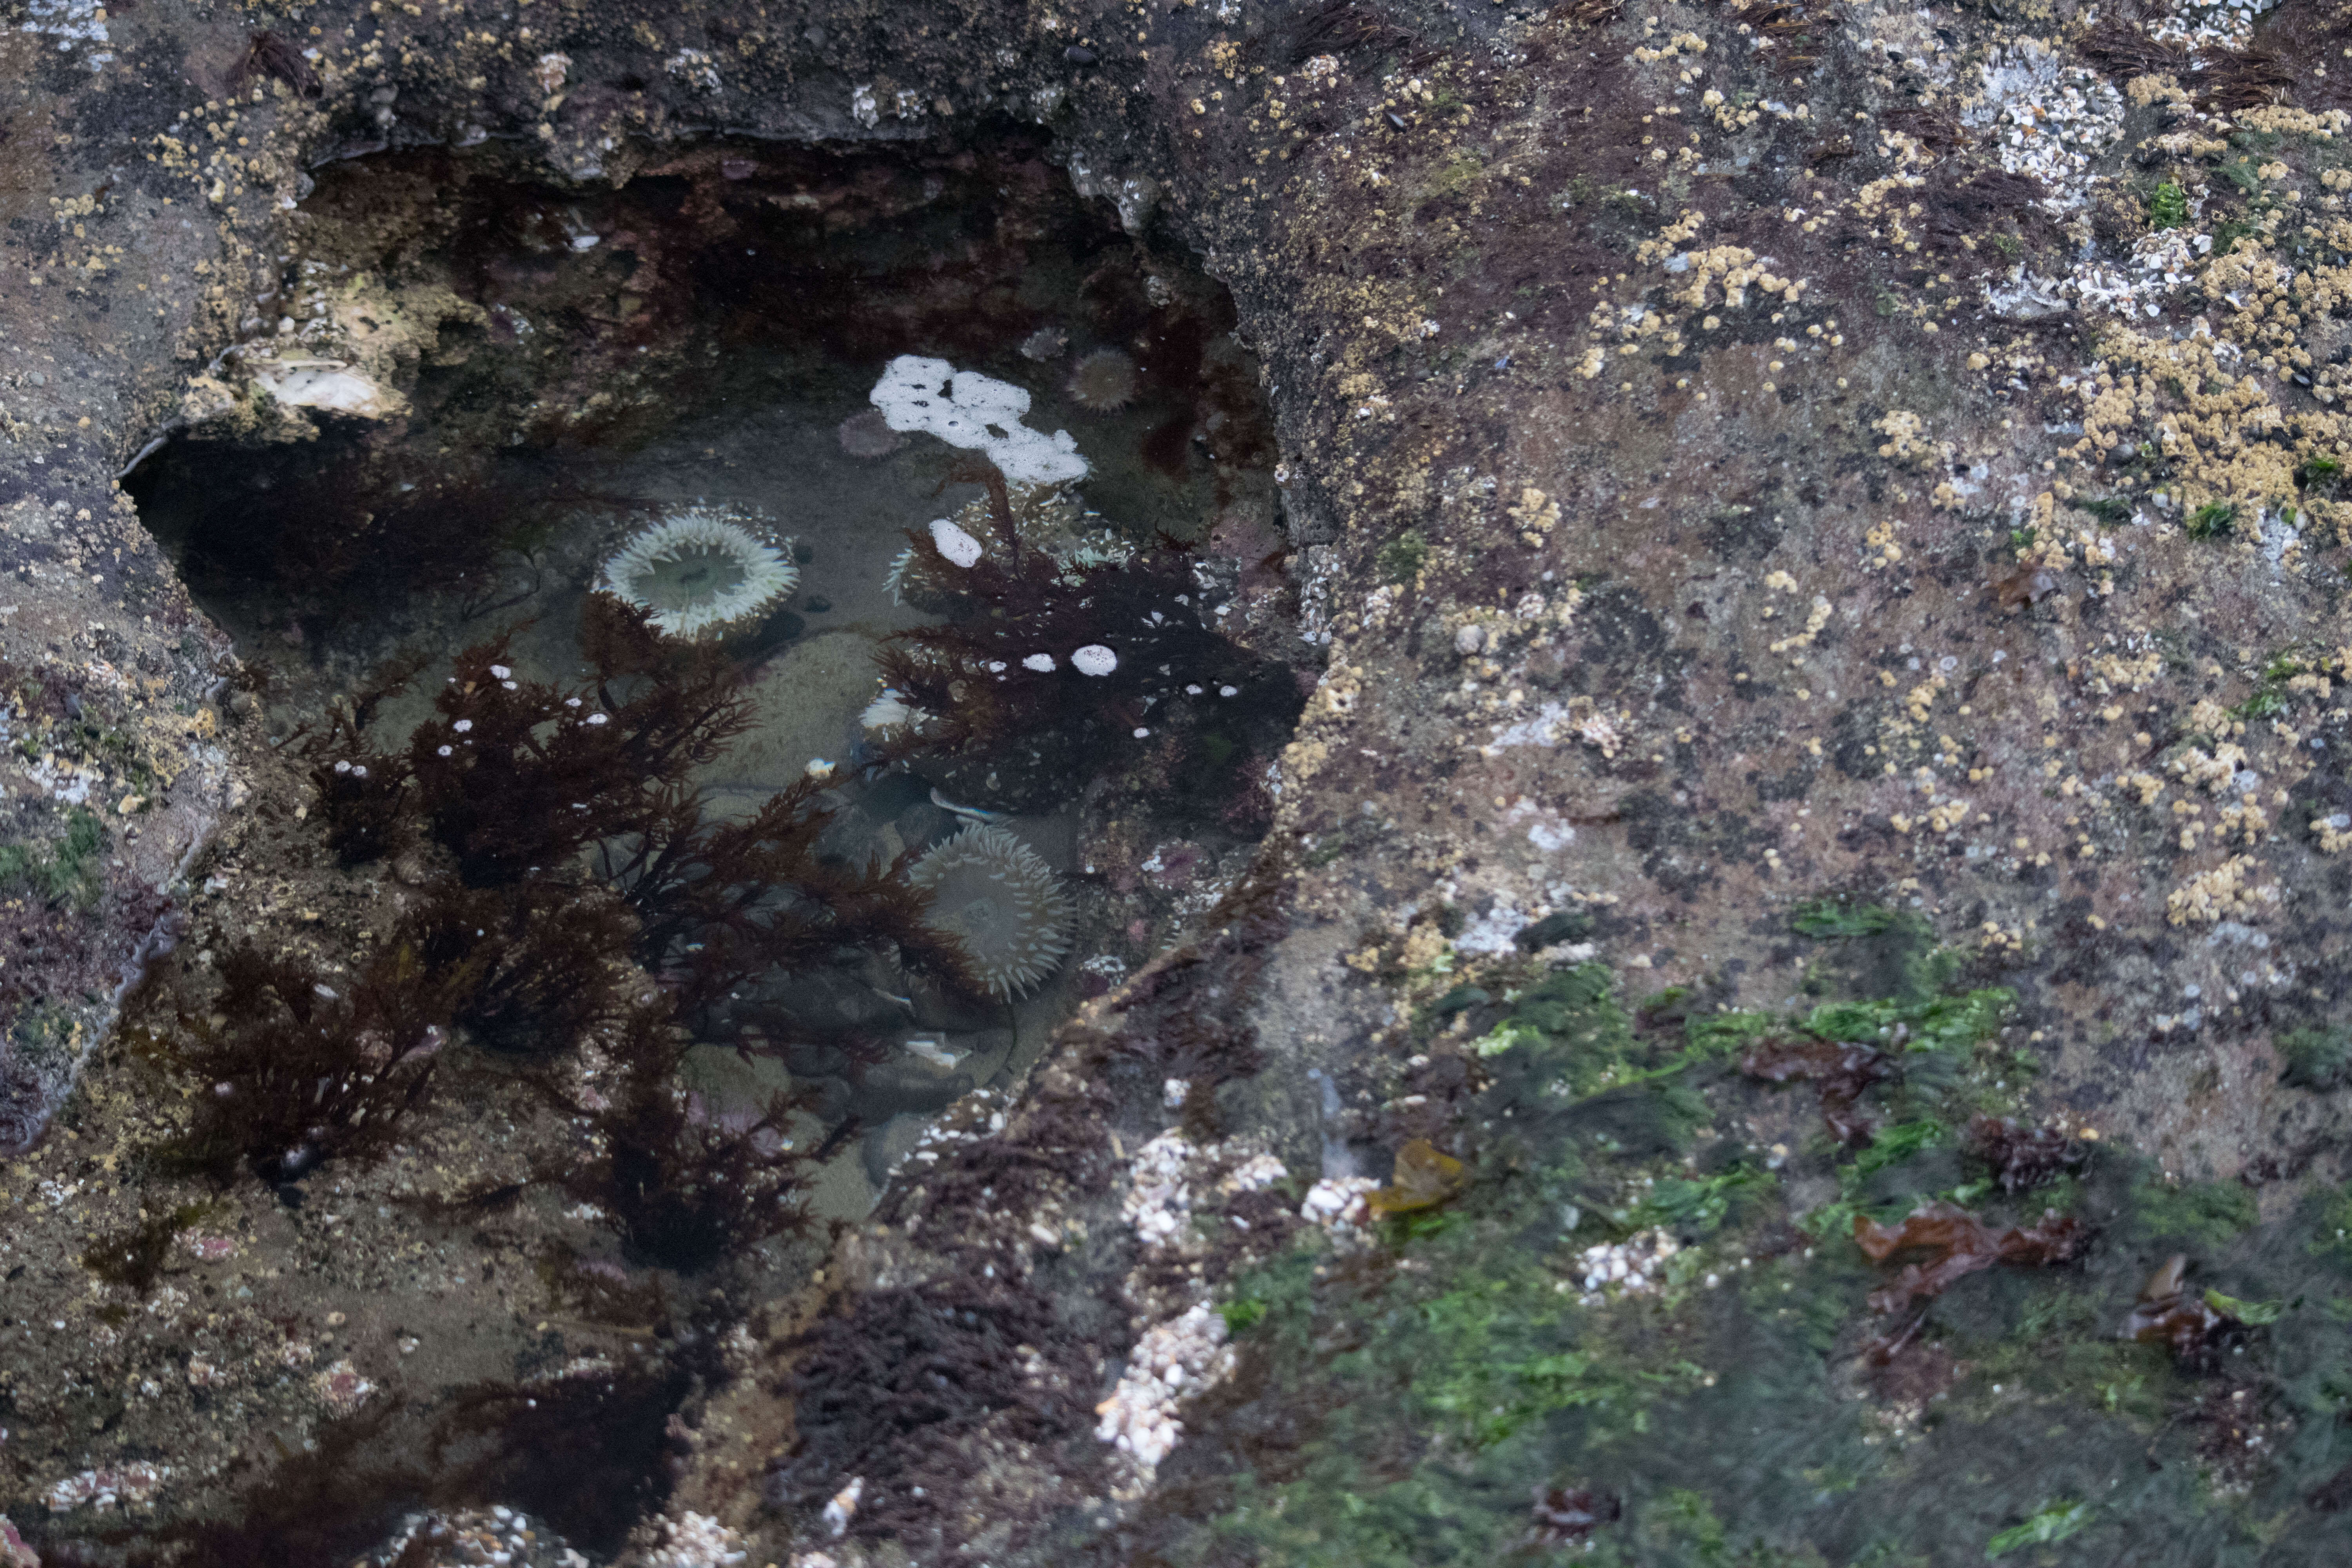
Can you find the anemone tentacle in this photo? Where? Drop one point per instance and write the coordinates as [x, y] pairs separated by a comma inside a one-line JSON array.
[[701, 572], [1002, 903]]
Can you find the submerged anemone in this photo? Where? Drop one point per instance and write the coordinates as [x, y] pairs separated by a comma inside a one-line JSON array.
[[1002, 903], [868, 434], [1103, 382], [701, 573], [888, 711], [1044, 343]]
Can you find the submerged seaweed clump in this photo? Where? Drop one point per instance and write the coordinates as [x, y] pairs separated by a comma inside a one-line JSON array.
[[1052, 663], [578, 859], [297, 1071], [1045, 518]]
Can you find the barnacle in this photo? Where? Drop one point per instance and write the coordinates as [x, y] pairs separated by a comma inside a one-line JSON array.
[[701, 573], [996, 898]]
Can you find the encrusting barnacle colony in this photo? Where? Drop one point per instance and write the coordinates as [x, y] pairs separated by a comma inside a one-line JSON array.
[[701, 573], [999, 901]]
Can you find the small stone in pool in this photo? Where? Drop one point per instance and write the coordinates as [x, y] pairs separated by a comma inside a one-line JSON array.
[[816, 604], [804, 553]]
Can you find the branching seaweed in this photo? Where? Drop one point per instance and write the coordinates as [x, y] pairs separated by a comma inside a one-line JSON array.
[[528, 969], [299, 1071], [1001, 683], [517, 777], [362, 793], [719, 902], [685, 1189]]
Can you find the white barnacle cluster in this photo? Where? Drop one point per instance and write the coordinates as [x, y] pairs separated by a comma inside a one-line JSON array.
[[979, 413], [70, 22], [1001, 903], [701, 573], [1339, 1205], [1551, 722], [467, 1536], [133, 1485], [978, 1115], [695, 1540], [1633, 1267], [1161, 1184], [1159, 1198], [1182, 1355], [2161, 264], [2049, 119], [2208, 24]]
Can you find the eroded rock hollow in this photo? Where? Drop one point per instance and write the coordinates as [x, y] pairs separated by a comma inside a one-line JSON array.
[[1208, 783]]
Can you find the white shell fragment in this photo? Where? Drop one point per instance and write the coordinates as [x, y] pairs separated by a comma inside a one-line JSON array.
[[967, 409], [328, 384], [1094, 659], [954, 543], [1040, 662]]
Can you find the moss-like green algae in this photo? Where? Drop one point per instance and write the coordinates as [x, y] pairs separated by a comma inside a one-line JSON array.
[[1407, 1401]]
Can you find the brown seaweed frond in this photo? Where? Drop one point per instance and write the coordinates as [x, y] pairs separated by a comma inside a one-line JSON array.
[[1843, 1070], [720, 902], [517, 777], [363, 792], [2023, 1157], [1949, 1244], [293, 1070], [682, 1188]]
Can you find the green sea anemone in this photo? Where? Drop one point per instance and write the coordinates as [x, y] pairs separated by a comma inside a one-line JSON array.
[[702, 572], [1002, 903]]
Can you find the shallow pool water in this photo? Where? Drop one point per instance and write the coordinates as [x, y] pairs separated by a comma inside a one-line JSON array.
[[709, 336]]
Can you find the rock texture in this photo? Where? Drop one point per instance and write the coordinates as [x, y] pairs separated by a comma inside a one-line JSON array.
[[1732, 459]]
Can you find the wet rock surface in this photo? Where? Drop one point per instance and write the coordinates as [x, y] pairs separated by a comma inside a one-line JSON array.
[[1815, 536]]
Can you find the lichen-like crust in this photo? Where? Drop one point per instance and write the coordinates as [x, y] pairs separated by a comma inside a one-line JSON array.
[[996, 897], [701, 573]]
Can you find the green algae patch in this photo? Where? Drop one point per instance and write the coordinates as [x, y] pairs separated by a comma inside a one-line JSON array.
[[2202, 1214], [2315, 1059], [66, 874], [1627, 1306], [2058, 1522], [1824, 918]]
